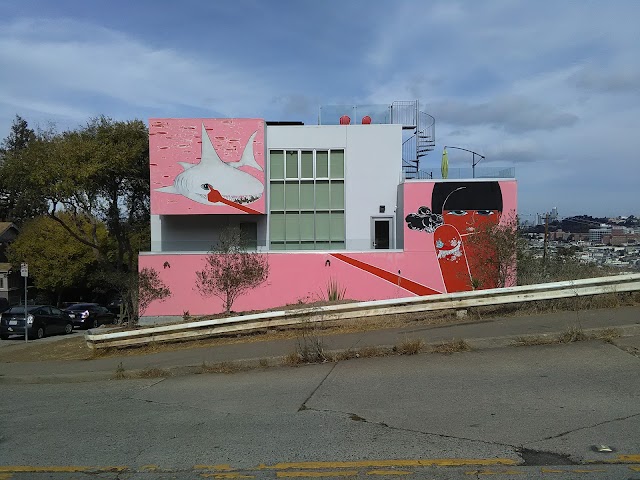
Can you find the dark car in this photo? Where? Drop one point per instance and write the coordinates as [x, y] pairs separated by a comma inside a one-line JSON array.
[[41, 320], [89, 315]]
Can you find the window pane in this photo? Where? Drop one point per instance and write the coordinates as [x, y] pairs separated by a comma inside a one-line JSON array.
[[322, 226], [276, 226], [306, 164], [323, 246], [337, 226], [292, 196], [322, 164], [276, 166], [337, 195], [306, 196], [307, 246], [277, 196], [292, 246], [277, 246], [337, 163], [337, 246], [292, 227], [322, 195], [292, 164], [306, 226]]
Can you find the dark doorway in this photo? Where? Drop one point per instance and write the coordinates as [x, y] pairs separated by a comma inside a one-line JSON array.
[[381, 234]]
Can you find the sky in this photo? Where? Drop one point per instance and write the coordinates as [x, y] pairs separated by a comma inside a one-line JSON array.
[[551, 88]]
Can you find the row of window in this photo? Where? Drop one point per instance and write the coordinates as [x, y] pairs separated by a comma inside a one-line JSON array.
[[306, 199], [293, 164]]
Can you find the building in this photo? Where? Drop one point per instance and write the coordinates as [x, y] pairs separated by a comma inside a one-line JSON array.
[[596, 234], [335, 202]]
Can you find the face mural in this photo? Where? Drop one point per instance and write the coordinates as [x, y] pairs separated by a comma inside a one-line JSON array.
[[216, 166], [458, 209]]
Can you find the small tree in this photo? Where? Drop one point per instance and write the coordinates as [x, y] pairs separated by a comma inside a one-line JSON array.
[[150, 288], [231, 269], [493, 250]]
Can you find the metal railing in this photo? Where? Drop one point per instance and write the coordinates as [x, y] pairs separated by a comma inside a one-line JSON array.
[[462, 173], [248, 323]]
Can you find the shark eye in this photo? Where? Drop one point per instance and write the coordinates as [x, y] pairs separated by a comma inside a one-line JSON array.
[[458, 213], [205, 186], [485, 212]]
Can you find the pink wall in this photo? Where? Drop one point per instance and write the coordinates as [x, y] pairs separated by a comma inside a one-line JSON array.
[[174, 140], [302, 277]]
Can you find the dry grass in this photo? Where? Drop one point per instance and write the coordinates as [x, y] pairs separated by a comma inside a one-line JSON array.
[[529, 341], [606, 334], [410, 346], [454, 346], [573, 334], [223, 367]]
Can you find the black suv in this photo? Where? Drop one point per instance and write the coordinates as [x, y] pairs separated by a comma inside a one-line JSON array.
[[89, 315]]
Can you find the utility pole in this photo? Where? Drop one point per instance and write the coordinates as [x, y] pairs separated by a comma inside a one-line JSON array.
[[546, 238]]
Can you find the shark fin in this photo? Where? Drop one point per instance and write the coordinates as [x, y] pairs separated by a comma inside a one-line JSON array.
[[169, 189], [186, 165], [248, 159], [209, 154]]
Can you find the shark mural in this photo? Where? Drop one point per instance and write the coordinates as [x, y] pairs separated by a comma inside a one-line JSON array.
[[219, 186]]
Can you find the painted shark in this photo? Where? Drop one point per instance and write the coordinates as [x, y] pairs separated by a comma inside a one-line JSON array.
[[198, 179]]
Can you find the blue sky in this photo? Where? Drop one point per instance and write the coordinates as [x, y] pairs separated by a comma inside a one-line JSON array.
[[550, 87]]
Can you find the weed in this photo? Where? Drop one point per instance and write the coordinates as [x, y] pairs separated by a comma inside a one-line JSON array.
[[292, 359], [606, 334], [222, 367], [264, 362], [120, 372], [153, 373], [186, 316], [533, 340], [334, 292], [573, 334], [410, 346], [452, 347]]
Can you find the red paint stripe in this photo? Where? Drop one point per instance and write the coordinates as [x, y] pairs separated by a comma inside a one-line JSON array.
[[402, 282]]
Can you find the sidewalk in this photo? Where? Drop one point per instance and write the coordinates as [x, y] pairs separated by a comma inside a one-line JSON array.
[[490, 333]]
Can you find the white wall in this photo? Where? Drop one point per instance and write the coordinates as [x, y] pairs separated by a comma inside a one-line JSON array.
[[373, 169]]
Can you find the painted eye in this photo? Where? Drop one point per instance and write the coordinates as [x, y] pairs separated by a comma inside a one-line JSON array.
[[205, 186], [458, 213], [485, 212]]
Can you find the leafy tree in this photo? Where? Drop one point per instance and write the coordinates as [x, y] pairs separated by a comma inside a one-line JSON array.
[[493, 252], [56, 262], [150, 288], [17, 203], [231, 269]]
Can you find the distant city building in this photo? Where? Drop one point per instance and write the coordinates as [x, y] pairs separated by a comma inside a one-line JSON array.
[[596, 234]]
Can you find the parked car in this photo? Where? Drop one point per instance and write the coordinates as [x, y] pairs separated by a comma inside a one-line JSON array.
[[89, 315], [41, 320]]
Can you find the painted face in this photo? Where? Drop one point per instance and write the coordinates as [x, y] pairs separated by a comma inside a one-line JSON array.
[[467, 221]]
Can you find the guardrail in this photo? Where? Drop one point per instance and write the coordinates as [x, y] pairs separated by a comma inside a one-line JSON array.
[[247, 323]]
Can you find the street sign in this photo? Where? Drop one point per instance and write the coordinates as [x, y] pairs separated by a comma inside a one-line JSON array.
[[24, 269]]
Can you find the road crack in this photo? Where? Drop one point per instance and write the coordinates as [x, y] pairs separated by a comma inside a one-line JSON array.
[[357, 418], [304, 404], [584, 428]]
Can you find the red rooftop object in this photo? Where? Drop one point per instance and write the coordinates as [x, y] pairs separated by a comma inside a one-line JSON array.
[[345, 120]]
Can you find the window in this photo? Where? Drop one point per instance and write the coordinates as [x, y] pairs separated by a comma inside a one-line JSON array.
[[306, 199], [1, 282]]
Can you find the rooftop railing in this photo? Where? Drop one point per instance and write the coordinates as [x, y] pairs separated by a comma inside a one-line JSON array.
[[463, 173]]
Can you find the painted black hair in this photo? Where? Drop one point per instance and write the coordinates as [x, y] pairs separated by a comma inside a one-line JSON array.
[[466, 196]]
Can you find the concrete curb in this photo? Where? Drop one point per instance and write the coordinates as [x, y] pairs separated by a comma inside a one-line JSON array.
[[482, 343]]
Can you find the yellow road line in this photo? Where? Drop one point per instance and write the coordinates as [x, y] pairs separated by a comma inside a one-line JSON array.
[[635, 469], [58, 469], [225, 475], [389, 472], [223, 467], [494, 472], [435, 462], [334, 473], [628, 458], [551, 470], [6, 476], [585, 470]]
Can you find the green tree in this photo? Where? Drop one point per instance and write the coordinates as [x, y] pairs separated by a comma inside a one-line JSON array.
[[17, 203], [56, 262], [231, 269]]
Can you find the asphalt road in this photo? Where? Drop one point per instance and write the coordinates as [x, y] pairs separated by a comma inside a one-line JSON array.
[[528, 412]]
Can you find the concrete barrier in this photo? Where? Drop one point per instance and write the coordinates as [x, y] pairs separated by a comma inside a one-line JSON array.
[[247, 323]]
